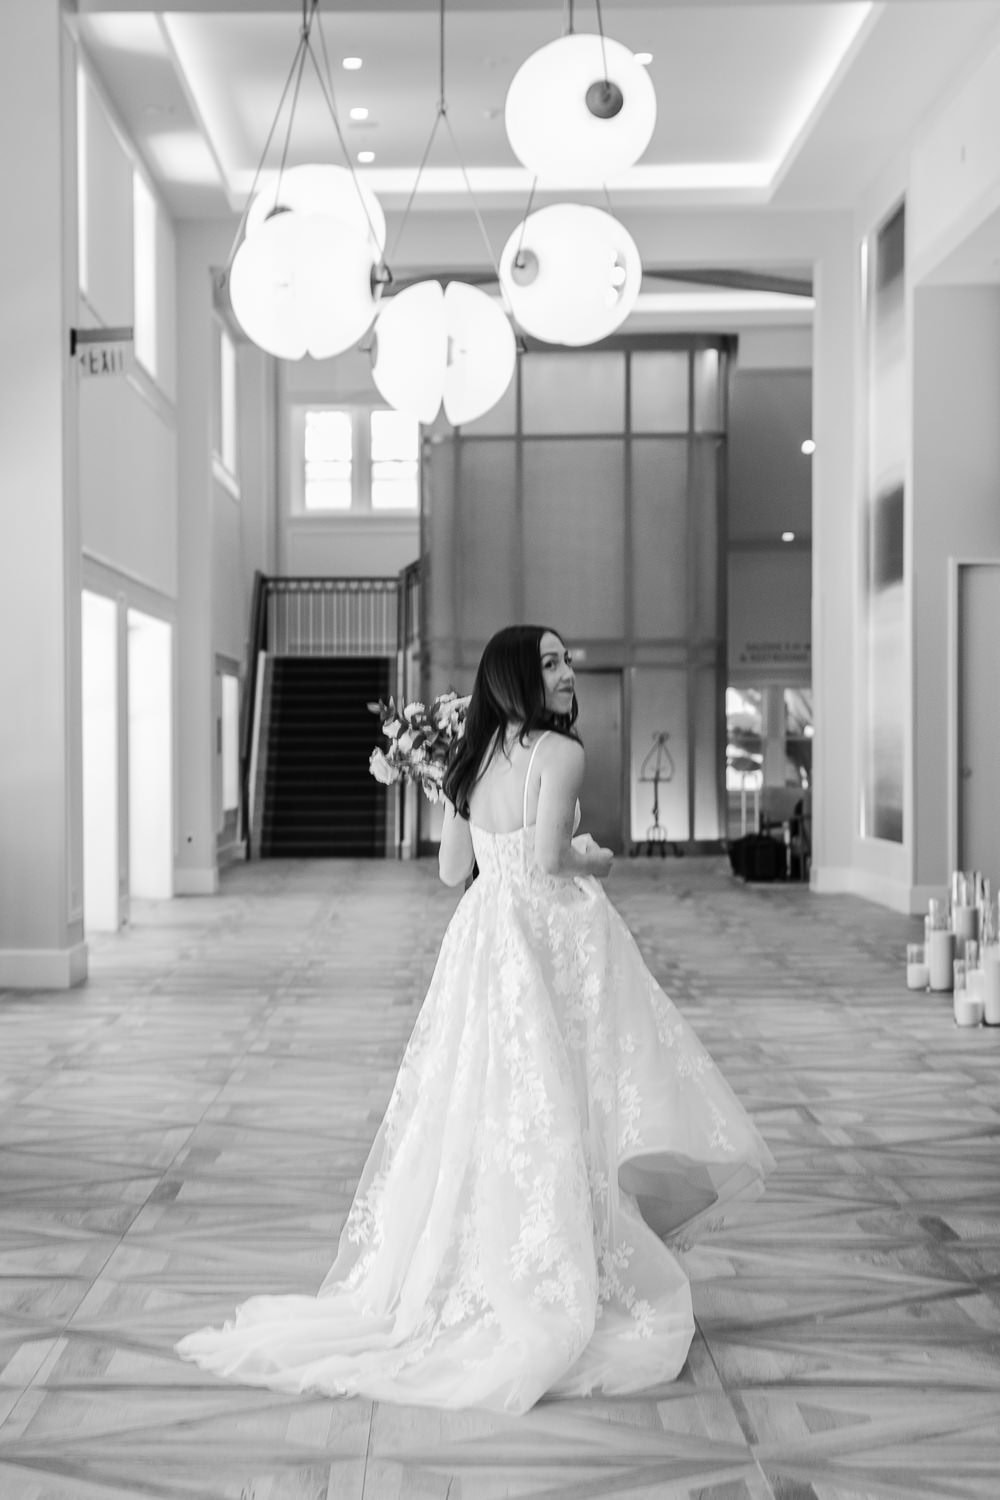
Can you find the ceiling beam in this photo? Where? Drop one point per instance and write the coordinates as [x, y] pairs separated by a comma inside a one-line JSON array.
[[333, 8]]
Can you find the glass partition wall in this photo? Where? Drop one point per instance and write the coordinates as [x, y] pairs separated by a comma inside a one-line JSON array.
[[592, 499]]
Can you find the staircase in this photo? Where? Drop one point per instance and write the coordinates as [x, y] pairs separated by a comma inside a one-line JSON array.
[[319, 798]]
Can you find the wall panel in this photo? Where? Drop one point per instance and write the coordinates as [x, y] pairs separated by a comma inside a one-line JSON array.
[[128, 483], [574, 514], [659, 537]]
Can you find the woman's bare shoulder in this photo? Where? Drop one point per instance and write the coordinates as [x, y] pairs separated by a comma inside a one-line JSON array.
[[558, 752]]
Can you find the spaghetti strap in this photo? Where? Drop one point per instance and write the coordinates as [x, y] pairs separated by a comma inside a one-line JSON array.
[[527, 776]]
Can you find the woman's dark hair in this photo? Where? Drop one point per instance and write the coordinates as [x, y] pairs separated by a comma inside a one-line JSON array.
[[509, 688]]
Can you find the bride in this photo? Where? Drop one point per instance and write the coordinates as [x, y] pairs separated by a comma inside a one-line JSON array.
[[554, 1120]]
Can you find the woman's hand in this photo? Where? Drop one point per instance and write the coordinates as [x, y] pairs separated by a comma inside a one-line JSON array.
[[599, 859]]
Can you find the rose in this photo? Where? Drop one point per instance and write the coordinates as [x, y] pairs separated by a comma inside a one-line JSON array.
[[382, 769]]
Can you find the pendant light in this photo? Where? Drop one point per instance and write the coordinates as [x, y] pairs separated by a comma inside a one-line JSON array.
[[571, 274], [453, 346], [581, 110], [307, 265]]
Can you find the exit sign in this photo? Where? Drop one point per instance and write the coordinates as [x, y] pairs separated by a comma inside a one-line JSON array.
[[101, 351]]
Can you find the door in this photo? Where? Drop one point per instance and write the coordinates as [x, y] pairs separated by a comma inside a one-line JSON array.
[[978, 720], [101, 911], [599, 695]]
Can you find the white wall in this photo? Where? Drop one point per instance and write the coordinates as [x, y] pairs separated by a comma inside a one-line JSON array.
[[128, 439], [41, 781], [956, 513]]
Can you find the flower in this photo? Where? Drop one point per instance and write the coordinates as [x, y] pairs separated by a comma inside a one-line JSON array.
[[382, 769], [419, 741]]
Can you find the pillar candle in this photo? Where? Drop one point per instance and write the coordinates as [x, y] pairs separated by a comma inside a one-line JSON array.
[[968, 1009], [965, 921], [940, 958], [991, 985]]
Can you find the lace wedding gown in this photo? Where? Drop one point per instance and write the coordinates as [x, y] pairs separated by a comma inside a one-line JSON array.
[[551, 1107]]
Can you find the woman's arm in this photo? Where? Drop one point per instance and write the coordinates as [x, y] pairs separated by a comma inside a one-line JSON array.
[[455, 856], [561, 770]]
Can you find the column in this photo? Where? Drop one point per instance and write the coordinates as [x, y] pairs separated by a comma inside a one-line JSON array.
[[835, 561], [196, 872], [41, 782]]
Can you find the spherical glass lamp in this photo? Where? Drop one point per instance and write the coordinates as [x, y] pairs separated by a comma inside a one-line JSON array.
[[454, 348], [571, 274], [482, 353], [302, 284], [325, 190], [411, 350], [580, 113]]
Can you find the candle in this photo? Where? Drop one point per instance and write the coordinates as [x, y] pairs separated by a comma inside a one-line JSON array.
[[940, 959], [965, 921], [918, 975], [968, 1008], [991, 985]]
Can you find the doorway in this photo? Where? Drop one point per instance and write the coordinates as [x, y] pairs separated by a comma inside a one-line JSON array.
[[978, 720], [150, 757], [599, 695], [100, 762]]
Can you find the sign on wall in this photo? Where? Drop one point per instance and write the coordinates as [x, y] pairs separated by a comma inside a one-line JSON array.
[[102, 352]]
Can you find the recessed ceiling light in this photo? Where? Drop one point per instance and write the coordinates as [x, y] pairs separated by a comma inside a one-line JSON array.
[[366, 156], [808, 447], [352, 64], [644, 57], [359, 113], [788, 536]]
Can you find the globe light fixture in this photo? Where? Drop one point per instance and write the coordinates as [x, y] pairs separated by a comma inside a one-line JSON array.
[[329, 190], [580, 111], [571, 274], [302, 283], [453, 348]]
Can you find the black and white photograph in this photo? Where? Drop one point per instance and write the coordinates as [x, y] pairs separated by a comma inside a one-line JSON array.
[[499, 696]]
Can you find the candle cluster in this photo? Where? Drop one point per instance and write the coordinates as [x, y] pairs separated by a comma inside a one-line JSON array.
[[960, 953]]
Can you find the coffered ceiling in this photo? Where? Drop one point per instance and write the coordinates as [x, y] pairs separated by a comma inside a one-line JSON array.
[[792, 104]]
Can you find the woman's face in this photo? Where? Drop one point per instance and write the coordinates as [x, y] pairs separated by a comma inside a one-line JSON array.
[[557, 674]]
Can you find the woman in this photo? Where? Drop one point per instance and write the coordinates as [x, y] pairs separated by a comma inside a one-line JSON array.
[[553, 1118]]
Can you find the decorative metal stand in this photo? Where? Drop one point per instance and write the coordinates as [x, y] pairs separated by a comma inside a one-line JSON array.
[[658, 766]]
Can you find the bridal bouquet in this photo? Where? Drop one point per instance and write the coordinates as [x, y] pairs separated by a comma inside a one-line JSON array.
[[418, 741]]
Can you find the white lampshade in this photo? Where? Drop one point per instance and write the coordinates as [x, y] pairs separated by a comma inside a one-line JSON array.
[[411, 350], [325, 190], [550, 111], [482, 353], [453, 347], [577, 276], [302, 284]]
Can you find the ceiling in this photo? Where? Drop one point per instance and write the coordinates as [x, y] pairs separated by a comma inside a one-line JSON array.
[[793, 104]]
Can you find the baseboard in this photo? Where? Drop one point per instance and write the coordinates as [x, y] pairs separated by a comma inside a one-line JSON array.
[[910, 900], [233, 853], [191, 882], [43, 968]]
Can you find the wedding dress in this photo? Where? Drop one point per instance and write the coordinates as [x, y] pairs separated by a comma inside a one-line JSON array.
[[553, 1118]]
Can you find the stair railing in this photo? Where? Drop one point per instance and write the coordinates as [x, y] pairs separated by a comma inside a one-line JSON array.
[[325, 617], [255, 645]]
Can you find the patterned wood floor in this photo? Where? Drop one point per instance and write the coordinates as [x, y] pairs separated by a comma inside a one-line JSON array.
[[188, 1129]]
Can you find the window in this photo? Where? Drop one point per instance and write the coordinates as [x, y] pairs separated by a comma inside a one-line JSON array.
[[144, 274], [395, 450], [354, 459], [224, 440], [329, 460]]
